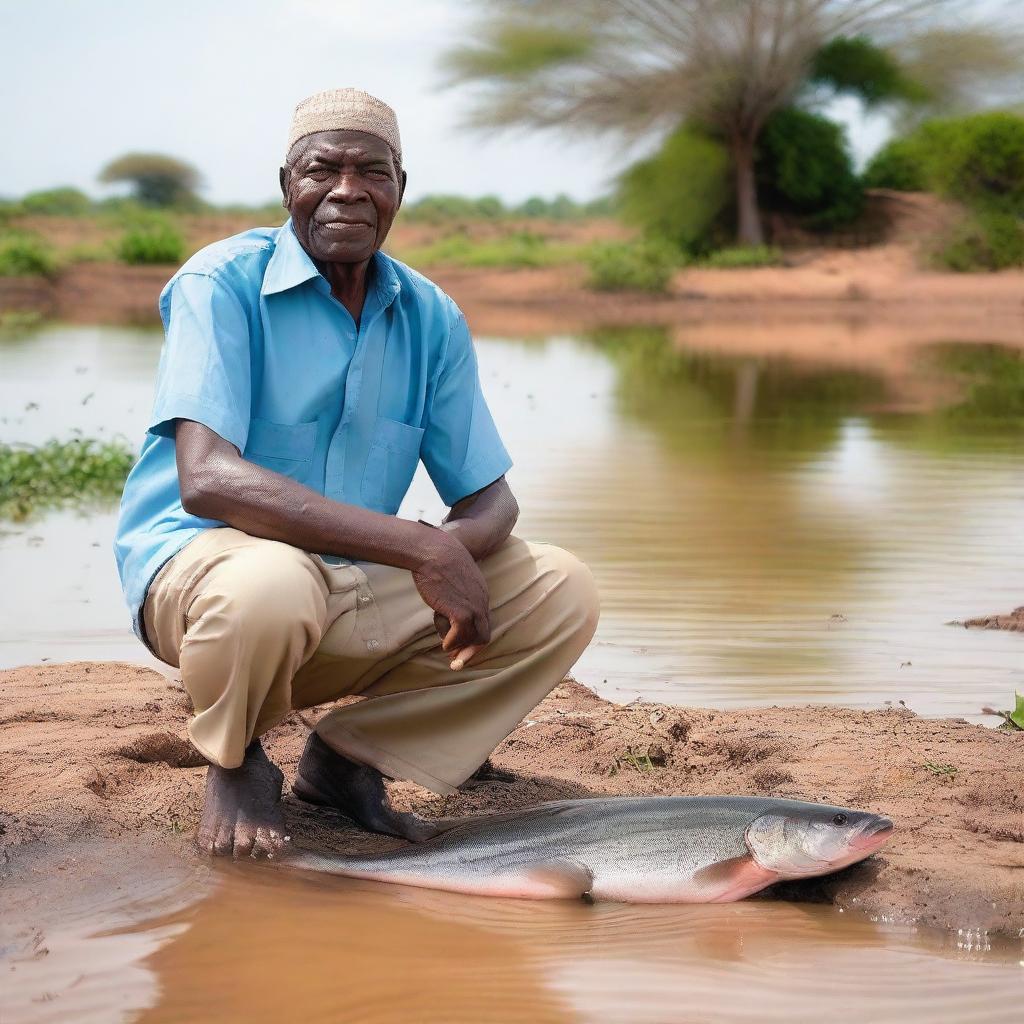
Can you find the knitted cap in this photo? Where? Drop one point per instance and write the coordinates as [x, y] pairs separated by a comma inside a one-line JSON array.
[[348, 109]]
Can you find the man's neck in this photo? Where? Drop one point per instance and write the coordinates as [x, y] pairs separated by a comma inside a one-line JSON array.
[[348, 283]]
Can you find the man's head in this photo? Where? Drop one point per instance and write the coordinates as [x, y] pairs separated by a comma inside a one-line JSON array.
[[342, 179]]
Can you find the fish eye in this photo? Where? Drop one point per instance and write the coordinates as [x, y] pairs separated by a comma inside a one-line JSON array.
[[840, 819]]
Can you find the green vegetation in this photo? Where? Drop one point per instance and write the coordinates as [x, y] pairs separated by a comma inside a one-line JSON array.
[[74, 473], [24, 253], [977, 161], [1012, 720], [645, 266], [516, 249], [444, 209], [804, 167], [151, 240], [739, 257], [61, 202], [17, 322], [725, 70], [156, 179], [943, 771]]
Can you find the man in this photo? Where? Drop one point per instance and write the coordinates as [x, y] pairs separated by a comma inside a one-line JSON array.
[[304, 375]]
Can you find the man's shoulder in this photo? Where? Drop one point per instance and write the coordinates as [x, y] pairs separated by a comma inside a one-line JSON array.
[[419, 290], [238, 261]]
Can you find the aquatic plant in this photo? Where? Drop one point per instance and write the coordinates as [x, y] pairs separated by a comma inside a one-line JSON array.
[[75, 473]]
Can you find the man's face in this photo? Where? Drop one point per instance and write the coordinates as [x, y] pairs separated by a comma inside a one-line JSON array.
[[342, 190]]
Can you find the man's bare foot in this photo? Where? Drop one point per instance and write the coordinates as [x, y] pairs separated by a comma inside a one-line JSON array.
[[326, 778], [241, 812]]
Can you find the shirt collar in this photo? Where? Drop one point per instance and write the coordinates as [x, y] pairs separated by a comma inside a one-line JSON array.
[[290, 266]]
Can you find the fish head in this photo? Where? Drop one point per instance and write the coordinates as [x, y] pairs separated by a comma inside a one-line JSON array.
[[802, 840]]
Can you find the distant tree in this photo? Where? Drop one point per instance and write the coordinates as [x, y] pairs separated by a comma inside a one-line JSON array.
[[156, 179], [721, 66]]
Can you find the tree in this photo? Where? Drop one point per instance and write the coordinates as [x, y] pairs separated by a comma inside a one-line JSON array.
[[156, 179], [638, 67]]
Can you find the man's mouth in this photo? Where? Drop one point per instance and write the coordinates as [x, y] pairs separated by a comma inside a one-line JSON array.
[[343, 225]]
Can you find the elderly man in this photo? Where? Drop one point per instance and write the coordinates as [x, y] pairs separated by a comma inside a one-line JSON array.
[[304, 376]]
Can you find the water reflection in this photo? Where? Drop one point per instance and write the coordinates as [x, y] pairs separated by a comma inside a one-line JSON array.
[[269, 946], [764, 528]]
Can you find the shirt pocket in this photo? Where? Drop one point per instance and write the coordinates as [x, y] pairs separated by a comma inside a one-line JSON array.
[[283, 447], [390, 464]]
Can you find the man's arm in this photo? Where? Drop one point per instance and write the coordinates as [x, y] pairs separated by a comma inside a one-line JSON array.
[[484, 520], [217, 483]]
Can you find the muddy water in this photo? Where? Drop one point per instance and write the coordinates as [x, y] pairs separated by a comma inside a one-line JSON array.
[[258, 944], [763, 529]]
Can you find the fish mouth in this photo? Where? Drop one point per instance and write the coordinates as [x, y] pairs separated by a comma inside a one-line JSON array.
[[875, 835]]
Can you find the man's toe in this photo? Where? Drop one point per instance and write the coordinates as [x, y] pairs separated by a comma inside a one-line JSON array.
[[224, 842]]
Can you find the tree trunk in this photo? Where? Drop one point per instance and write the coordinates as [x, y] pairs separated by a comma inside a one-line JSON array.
[[749, 230]]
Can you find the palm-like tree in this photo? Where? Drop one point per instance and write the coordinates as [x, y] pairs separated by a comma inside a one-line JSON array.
[[643, 66]]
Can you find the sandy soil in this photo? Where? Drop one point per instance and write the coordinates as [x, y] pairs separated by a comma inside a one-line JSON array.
[[95, 750], [1014, 621]]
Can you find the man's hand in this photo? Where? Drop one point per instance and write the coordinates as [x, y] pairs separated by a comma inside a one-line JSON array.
[[451, 583]]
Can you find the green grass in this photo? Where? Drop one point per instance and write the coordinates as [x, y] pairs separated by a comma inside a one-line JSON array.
[[645, 266], [517, 249], [151, 241], [743, 257], [58, 474], [19, 321]]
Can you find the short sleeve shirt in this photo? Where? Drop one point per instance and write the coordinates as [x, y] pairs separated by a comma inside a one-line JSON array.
[[257, 349]]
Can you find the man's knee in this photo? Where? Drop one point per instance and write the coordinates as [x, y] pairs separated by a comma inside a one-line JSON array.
[[577, 590], [267, 590]]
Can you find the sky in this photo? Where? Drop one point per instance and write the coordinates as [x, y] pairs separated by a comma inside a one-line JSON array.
[[215, 83]]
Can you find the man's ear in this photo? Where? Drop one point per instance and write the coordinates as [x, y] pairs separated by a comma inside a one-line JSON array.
[[283, 176], [401, 190]]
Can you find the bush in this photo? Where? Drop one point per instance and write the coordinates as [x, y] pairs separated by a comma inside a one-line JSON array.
[[25, 254], [632, 266], [804, 167], [516, 249], [989, 240], [898, 166], [152, 241], [67, 202], [680, 192], [738, 257]]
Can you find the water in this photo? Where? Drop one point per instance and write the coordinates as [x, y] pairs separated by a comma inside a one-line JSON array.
[[763, 530]]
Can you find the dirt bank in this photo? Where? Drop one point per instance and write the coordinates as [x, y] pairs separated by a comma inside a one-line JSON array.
[[1013, 622], [95, 750]]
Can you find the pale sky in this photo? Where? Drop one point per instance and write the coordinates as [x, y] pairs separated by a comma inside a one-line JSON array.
[[215, 81]]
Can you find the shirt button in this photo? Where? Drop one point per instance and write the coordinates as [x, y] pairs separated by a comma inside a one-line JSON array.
[[373, 645], [363, 599]]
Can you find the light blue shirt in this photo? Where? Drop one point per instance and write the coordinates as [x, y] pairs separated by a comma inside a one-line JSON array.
[[258, 350]]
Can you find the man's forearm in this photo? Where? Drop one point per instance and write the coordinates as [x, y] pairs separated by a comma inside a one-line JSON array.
[[484, 520], [222, 485]]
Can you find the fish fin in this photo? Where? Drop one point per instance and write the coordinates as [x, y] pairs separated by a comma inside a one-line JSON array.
[[560, 879], [732, 879]]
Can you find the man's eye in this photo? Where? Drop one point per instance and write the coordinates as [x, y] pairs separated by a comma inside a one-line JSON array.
[[318, 173]]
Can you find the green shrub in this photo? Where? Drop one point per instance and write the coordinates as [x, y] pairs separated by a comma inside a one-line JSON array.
[[897, 165], [989, 240], [738, 257], [804, 167], [632, 266], [60, 473], [66, 201], [680, 192], [25, 254], [151, 241]]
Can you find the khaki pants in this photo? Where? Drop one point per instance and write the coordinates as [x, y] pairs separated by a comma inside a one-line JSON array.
[[258, 627]]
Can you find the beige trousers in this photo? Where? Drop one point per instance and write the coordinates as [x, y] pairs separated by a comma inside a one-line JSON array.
[[258, 627]]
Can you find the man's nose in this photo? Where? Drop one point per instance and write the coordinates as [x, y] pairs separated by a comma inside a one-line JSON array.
[[348, 189]]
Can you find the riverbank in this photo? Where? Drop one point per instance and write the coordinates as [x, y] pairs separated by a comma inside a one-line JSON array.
[[95, 750]]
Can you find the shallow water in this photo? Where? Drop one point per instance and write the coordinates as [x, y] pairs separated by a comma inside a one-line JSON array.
[[763, 530], [267, 945]]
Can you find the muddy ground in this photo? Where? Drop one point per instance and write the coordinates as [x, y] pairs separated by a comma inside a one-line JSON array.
[[95, 750]]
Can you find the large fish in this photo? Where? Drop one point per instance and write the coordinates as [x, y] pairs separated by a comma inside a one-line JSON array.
[[658, 849]]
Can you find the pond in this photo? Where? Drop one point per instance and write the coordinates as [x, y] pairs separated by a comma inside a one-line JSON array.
[[763, 529]]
